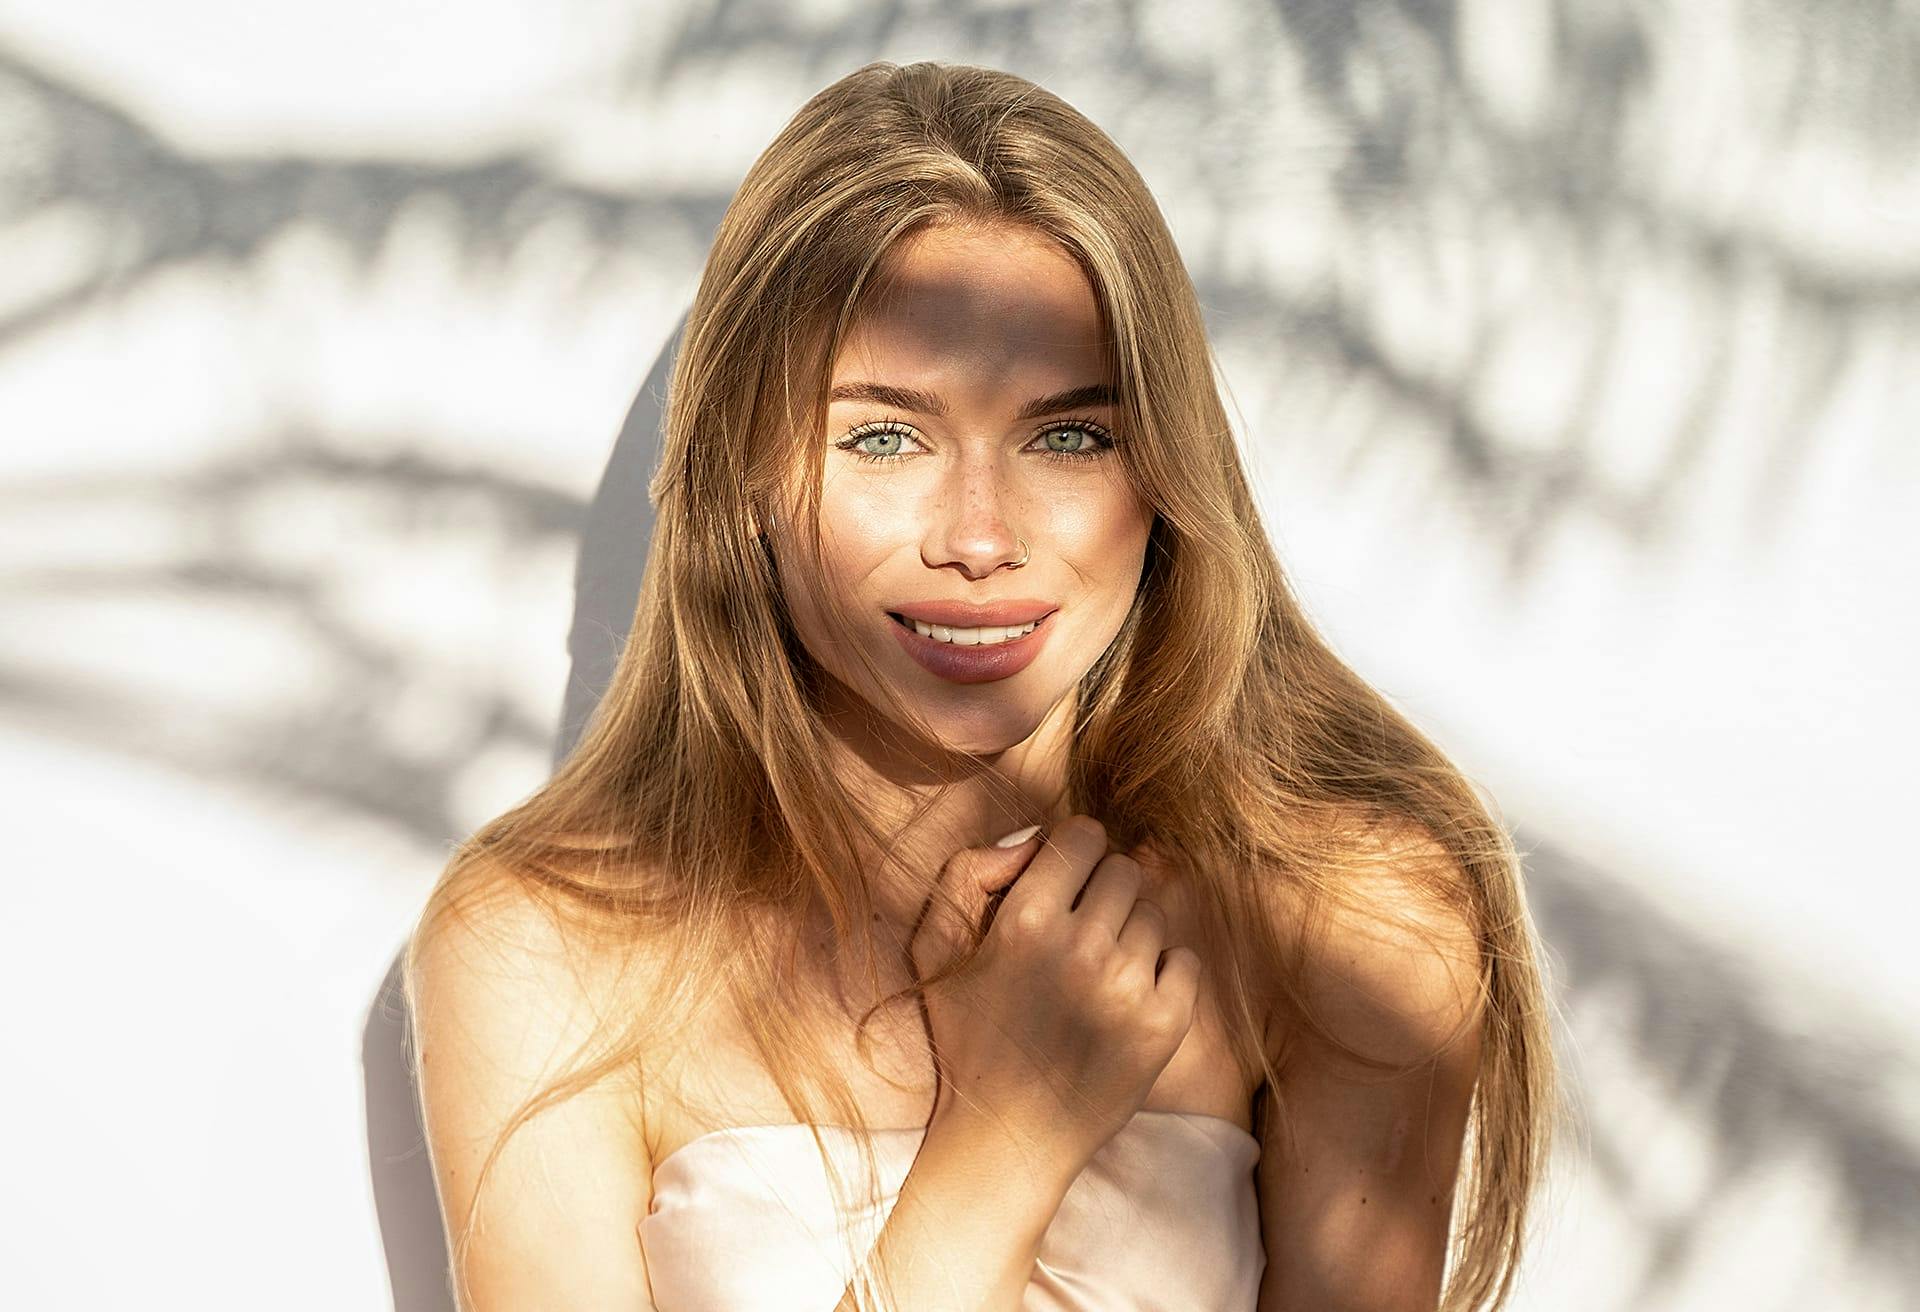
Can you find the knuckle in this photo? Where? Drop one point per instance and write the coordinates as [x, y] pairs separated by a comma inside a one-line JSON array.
[[1087, 945], [1166, 1021], [1112, 1000], [1028, 921], [1133, 977]]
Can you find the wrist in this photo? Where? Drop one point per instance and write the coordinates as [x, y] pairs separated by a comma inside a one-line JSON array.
[[1006, 1152]]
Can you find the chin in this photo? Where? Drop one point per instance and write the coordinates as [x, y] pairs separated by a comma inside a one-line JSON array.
[[984, 731], [982, 728]]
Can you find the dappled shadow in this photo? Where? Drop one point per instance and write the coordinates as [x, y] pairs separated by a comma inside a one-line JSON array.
[[159, 209], [1388, 88], [1418, 164], [1754, 1089], [326, 736]]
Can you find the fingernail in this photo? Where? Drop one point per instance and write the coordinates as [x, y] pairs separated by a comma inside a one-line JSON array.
[[1018, 836]]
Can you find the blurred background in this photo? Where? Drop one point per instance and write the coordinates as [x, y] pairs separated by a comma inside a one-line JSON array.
[[1575, 349]]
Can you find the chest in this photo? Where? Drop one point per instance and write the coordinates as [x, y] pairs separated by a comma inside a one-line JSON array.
[[715, 1078]]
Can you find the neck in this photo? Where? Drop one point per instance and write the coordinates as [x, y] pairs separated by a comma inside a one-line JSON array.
[[928, 808]]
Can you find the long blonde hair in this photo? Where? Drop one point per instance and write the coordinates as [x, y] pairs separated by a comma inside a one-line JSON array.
[[693, 819]]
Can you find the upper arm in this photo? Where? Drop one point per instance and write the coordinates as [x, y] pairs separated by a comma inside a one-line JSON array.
[[1357, 1166], [499, 1004]]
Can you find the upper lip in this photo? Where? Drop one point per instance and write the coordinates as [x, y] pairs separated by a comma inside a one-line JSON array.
[[968, 615]]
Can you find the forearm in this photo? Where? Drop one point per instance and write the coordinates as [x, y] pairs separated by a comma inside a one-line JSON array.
[[966, 1228]]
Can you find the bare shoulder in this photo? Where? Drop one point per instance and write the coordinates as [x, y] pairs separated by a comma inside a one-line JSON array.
[[503, 997], [1375, 1082], [1393, 968], [506, 966]]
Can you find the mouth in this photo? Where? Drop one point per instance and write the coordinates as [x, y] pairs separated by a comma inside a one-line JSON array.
[[972, 656], [954, 635]]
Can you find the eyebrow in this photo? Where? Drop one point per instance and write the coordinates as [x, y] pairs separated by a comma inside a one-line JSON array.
[[927, 403]]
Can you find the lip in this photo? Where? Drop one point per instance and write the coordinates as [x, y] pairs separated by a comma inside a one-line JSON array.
[[973, 664], [969, 615]]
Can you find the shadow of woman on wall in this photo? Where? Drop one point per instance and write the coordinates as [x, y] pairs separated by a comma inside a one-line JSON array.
[[613, 556]]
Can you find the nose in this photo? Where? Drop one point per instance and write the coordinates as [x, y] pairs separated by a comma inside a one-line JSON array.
[[979, 538]]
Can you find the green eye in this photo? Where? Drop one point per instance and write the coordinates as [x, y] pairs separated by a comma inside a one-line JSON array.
[[880, 436], [882, 430], [1051, 433]]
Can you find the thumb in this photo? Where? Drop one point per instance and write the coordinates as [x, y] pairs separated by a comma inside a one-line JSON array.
[[987, 874], [978, 878]]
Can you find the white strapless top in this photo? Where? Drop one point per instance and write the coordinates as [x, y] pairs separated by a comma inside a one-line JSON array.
[[1163, 1219]]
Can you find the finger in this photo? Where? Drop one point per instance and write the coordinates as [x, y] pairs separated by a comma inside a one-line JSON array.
[[1060, 868], [974, 880], [1179, 978], [1145, 930], [977, 873], [994, 899], [1111, 894]]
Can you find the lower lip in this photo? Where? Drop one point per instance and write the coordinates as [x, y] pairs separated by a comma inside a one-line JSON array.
[[974, 663]]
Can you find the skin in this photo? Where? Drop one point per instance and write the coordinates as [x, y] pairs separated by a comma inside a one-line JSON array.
[[987, 319]]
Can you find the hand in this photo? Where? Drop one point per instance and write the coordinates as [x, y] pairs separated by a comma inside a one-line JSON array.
[[1058, 1027]]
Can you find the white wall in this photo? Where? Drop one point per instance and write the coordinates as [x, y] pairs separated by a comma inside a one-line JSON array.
[[1575, 351]]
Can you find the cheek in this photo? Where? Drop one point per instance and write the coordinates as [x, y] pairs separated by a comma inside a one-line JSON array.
[[860, 534], [859, 522], [1109, 527], [1113, 552]]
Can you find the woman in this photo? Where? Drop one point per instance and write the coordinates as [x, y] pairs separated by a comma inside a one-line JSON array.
[[953, 540]]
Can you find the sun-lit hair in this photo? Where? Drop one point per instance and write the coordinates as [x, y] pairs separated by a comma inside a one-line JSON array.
[[694, 822]]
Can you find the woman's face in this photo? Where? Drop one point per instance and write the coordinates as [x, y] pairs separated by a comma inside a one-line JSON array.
[[971, 412]]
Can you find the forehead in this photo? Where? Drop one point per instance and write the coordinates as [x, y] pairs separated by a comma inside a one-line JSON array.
[[977, 308]]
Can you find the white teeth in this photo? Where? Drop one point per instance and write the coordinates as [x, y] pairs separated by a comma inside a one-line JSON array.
[[970, 637]]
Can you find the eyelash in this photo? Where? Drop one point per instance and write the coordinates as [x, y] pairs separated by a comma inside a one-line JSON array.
[[851, 443]]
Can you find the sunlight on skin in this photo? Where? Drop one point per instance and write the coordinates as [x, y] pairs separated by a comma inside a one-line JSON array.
[[986, 321]]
